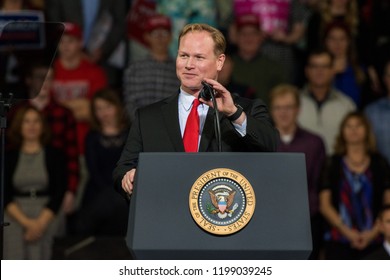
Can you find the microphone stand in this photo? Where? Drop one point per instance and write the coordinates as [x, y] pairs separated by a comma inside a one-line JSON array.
[[5, 105], [208, 93], [217, 127]]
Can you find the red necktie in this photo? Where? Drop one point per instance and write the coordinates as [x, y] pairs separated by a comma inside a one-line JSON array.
[[191, 132]]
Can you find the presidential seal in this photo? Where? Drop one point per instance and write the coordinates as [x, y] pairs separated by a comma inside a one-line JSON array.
[[222, 201]]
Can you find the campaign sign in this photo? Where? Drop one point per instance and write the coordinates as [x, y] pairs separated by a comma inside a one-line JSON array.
[[21, 30], [273, 14]]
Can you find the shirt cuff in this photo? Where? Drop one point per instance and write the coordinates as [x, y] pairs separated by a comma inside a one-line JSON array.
[[241, 128]]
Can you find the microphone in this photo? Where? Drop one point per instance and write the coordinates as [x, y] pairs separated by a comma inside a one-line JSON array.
[[207, 93]]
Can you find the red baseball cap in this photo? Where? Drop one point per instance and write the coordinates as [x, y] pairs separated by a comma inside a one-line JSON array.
[[247, 20], [73, 29], [158, 21]]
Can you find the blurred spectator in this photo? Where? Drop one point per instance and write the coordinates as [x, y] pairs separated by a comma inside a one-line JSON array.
[[153, 78], [76, 79], [225, 78], [75, 82], [322, 106], [284, 107], [60, 121], [378, 113], [184, 12], [103, 28], [17, 5], [379, 39], [251, 67], [13, 5], [300, 50], [224, 15], [329, 11], [349, 75], [35, 180], [282, 24], [383, 252], [355, 184], [103, 211]]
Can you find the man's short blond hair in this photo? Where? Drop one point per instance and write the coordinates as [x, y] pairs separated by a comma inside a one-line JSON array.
[[216, 35]]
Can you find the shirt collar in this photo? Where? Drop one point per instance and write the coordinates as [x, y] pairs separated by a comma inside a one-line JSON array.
[[186, 100]]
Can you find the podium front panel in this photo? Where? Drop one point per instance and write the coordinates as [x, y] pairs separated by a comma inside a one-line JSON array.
[[161, 226]]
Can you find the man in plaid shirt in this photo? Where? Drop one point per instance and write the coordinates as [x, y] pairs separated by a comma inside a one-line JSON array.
[[154, 78]]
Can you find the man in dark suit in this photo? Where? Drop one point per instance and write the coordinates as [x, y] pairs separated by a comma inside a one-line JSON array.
[[245, 124]]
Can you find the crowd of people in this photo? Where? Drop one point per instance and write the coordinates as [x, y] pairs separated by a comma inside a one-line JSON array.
[[324, 76]]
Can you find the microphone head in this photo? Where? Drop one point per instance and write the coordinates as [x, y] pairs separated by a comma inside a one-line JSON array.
[[206, 92]]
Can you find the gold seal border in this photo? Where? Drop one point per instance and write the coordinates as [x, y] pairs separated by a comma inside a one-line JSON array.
[[201, 182]]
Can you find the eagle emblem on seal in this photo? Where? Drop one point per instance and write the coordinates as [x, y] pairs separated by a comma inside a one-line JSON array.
[[222, 198]]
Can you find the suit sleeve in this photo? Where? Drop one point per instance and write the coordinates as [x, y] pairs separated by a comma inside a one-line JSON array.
[[261, 134], [129, 157]]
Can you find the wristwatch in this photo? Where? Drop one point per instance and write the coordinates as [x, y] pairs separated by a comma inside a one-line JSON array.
[[237, 114]]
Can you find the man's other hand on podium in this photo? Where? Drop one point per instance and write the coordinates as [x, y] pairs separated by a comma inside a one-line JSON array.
[[127, 181]]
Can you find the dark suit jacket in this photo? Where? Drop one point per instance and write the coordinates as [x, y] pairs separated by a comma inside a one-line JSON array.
[[72, 11], [156, 129]]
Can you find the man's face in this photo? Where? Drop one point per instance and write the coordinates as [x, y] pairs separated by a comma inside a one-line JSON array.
[[69, 47], [284, 110], [319, 70], [337, 42], [159, 40], [196, 60]]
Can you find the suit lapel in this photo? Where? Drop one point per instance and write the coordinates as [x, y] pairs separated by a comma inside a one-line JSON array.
[[170, 114], [208, 131]]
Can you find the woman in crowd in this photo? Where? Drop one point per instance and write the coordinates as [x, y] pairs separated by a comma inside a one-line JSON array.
[[35, 180], [354, 186], [349, 75], [103, 211], [329, 11]]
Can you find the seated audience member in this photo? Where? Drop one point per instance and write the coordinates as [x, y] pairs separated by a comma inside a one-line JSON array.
[[35, 180], [103, 211], [153, 78], [383, 252], [322, 106], [284, 107], [378, 113], [349, 75], [354, 185], [251, 67]]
